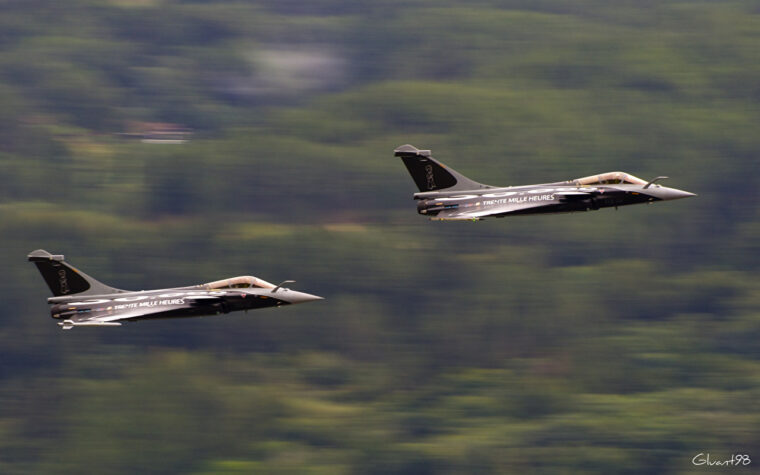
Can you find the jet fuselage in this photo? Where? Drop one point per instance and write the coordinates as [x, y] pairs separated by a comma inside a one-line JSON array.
[[169, 303], [80, 300], [542, 198], [446, 194]]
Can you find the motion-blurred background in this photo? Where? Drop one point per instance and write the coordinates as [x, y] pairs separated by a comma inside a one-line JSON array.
[[160, 143]]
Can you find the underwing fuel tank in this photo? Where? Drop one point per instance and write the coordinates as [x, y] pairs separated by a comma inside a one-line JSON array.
[[69, 324]]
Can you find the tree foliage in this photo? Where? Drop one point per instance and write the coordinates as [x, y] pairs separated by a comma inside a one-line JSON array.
[[604, 342]]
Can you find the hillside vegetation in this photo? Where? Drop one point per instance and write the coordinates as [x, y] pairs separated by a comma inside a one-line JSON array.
[[602, 342]]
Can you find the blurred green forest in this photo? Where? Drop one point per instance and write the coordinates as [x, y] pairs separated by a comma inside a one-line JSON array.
[[602, 342]]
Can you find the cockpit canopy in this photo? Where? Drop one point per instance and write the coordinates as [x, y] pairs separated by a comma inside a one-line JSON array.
[[610, 178], [241, 282]]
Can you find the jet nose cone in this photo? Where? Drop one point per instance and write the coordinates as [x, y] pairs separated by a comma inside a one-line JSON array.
[[292, 296], [665, 193], [674, 194]]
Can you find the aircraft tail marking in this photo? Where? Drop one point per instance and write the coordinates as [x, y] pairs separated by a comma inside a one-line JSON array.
[[431, 175], [64, 279]]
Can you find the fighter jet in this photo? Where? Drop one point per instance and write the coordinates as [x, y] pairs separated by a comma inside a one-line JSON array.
[[446, 194], [79, 300]]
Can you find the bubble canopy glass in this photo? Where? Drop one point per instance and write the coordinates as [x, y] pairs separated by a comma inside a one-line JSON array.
[[241, 282], [610, 178]]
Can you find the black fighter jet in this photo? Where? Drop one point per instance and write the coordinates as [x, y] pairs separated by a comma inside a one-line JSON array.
[[446, 194], [80, 300]]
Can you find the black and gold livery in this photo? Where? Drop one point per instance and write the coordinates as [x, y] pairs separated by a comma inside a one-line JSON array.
[[446, 194], [80, 300]]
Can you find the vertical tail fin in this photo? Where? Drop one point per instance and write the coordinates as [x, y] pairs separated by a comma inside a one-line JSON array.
[[64, 279], [431, 175]]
